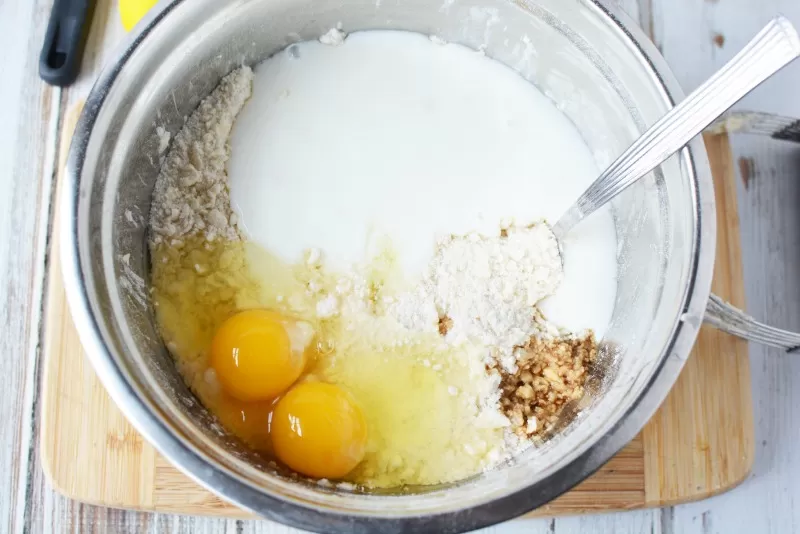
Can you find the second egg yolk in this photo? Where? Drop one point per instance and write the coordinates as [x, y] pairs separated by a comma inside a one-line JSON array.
[[248, 420], [319, 430], [254, 355]]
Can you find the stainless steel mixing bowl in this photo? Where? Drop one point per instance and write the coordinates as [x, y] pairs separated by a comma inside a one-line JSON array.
[[588, 57]]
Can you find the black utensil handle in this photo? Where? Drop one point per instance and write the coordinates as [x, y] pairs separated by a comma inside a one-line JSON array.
[[60, 60]]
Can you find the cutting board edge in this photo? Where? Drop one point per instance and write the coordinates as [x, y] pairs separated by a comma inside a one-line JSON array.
[[532, 514]]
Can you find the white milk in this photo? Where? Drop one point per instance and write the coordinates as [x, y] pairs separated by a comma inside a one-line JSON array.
[[393, 134]]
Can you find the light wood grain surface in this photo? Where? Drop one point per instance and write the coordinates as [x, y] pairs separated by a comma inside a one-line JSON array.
[[696, 36]]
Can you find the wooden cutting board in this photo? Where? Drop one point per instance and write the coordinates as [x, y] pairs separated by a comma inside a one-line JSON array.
[[698, 444]]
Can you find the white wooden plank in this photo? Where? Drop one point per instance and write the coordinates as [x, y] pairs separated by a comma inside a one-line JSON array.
[[26, 159]]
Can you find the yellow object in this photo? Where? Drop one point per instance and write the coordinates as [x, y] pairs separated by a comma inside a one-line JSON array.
[[252, 355], [132, 11], [319, 430], [248, 420]]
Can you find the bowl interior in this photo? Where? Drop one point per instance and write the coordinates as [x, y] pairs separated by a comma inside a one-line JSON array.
[[571, 49]]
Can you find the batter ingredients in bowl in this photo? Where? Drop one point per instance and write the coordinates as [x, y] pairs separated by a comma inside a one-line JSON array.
[[351, 267]]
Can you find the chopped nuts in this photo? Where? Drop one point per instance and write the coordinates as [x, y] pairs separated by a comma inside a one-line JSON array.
[[445, 324], [525, 392], [550, 373]]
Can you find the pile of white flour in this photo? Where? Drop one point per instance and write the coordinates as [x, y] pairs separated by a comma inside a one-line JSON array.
[[191, 193], [485, 289]]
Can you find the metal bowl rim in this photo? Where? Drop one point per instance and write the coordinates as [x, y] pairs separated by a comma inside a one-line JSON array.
[[230, 488]]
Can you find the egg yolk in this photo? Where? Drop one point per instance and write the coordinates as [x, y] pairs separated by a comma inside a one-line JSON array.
[[319, 430], [248, 420], [254, 355]]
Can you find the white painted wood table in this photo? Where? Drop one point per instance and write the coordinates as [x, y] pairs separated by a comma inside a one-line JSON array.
[[696, 37]]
